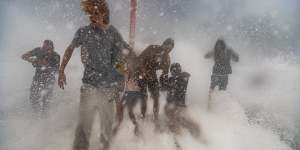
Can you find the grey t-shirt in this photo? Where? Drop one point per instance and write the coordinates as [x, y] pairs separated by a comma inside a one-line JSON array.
[[46, 72], [101, 50]]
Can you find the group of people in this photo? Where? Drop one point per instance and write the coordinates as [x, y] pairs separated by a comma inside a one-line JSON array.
[[115, 78]]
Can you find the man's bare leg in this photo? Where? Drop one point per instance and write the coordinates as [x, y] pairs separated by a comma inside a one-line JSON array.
[[119, 116], [144, 107], [155, 107], [133, 119]]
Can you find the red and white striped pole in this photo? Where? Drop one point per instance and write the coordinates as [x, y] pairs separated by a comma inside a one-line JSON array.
[[133, 11]]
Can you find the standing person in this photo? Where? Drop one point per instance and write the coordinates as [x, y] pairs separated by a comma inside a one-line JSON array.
[[153, 58], [132, 91], [175, 108], [46, 62], [222, 56], [102, 46]]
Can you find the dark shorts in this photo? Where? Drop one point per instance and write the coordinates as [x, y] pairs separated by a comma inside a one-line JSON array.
[[219, 80], [152, 85], [130, 98]]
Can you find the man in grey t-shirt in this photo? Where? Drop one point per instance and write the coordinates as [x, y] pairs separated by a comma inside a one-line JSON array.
[[102, 47], [46, 62]]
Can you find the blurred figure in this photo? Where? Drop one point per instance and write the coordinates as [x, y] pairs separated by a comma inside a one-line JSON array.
[[175, 108], [222, 56], [102, 47], [132, 92], [46, 62], [152, 59]]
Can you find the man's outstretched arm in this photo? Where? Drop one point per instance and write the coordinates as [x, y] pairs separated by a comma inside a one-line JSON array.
[[28, 56], [209, 55], [33, 58], [67, 56], [235, 57]]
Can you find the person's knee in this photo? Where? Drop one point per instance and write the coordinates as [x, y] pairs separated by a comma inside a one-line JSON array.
[[132, 116]]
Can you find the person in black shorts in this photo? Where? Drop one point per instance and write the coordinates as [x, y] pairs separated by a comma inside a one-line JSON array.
[[222, 56]]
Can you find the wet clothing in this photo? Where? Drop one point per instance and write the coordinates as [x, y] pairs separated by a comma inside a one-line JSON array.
[[177, 87], [130, 98], [95, 100], [44, 71], [41, 89], [152, 60], [222, 67], [151, 85], [41, 93], [222, 64], [219, 80], [102, 50]]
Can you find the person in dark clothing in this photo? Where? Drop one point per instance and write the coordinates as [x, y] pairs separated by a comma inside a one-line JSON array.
[[175, 108], [153, 58], [222, 56], [102, 47], [177, 85], [46, 62]]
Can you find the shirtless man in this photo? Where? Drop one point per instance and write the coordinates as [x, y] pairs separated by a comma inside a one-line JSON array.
[[154, 58], [132, 91]]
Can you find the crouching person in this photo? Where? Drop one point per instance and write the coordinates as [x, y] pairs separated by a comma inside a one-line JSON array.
[[175, 108]]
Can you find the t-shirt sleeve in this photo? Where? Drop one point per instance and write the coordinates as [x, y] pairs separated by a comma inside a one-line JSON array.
[[78, 38], [209, 54], [34, 52], [119, 41], [186, 75], [234, 55], [121, 48]]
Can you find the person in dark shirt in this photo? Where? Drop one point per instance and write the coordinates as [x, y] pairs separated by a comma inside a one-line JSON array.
[[102, 47], [152, 59], [222, 56], [46, 63], [175, 108]]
